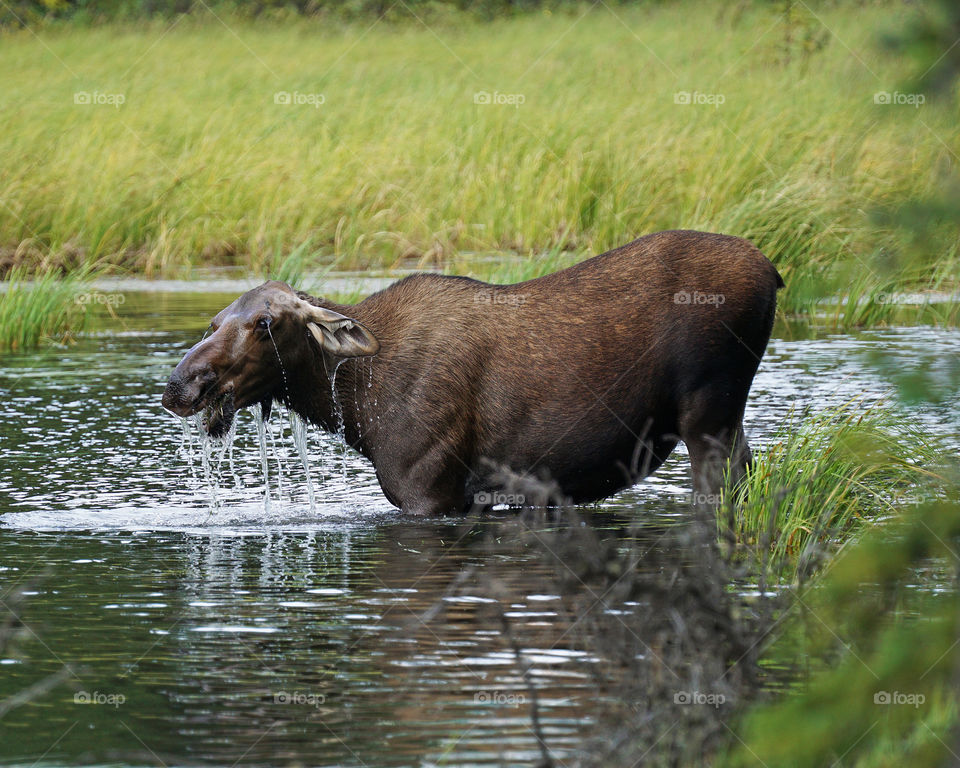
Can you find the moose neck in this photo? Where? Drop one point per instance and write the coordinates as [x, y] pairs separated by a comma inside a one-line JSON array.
[[336, 397], [340, 395]]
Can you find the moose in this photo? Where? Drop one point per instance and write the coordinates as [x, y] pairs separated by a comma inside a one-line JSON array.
[[588, 377]]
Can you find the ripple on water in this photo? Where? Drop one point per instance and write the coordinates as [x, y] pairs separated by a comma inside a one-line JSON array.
[[253, 635]]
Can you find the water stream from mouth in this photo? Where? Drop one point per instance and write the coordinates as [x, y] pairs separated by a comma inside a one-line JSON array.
[[206, 462], [264, 463], [218, 472], [214, 454], [279, 461], [298, 430], [185, 450]]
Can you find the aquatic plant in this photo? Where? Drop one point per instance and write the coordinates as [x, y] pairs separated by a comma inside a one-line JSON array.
[[825, 477], [43, 306]]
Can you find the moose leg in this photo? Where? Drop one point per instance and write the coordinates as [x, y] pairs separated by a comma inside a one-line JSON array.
[[433, 484], [710, 451]]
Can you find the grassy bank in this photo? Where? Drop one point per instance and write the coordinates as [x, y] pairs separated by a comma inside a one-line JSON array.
[[41, 307], [184, 155], [827, 477]]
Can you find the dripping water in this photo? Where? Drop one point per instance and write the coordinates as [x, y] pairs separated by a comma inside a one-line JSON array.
[[298, 430], [237, 485], [283, 371], [273, 442], [337, 405], [338, 414], [213, 452], [276, 456], [226, 449], [264, 464], [358, 383], [372, 410], [206, 462], [217, 455], [186, 445]]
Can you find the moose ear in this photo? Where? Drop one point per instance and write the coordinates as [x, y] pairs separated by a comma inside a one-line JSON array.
[[340, 335]]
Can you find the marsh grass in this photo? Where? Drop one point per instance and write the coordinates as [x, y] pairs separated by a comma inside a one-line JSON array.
[[399, 166], [827, 476], [299, 268], [40, 306]]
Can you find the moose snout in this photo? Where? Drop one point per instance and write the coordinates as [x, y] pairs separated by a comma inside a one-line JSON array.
[[187, 388]]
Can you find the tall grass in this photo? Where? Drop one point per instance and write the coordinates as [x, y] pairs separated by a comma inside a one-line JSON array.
[[42, 306], [828, 475], [399, 166]]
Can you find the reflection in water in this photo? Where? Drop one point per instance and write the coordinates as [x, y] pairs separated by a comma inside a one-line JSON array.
[[285, 646], [289, 636]]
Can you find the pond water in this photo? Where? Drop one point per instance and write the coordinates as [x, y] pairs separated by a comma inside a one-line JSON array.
[[231, 634]]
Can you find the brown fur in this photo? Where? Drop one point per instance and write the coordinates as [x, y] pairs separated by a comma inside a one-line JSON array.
[[588, 376]]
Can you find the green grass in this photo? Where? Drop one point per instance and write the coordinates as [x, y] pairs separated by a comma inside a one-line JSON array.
[[827, 476], [41, 306], [399, 166]]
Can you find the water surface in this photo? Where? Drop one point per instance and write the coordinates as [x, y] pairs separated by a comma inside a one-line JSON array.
[[236, 635]]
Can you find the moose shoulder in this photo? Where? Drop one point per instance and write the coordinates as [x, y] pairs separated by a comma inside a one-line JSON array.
[[588, 376]]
